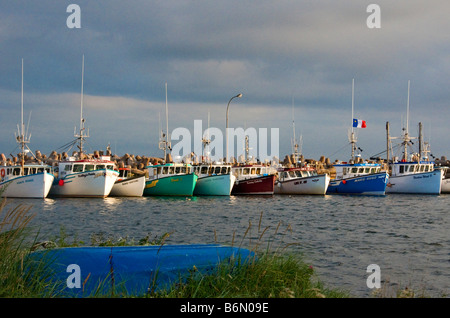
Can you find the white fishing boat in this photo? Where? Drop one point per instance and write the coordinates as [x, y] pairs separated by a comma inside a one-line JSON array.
[[301, 180], [445, 184], [79, 176], [84, 178], [415, 173], [25, 180], [128, 184]]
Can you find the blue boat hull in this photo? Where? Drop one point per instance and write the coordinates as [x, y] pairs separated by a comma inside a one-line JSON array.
[[135, 270], [371, 184]]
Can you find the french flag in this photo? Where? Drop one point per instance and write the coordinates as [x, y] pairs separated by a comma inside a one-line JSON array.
[[357, 123]]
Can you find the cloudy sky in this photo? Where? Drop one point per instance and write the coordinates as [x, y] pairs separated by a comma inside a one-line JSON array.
[[285, 57]]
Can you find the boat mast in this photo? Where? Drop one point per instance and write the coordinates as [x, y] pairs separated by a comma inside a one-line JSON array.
[[22, 138], [295, 144], [206, 141], [165, 144], [81, 136]]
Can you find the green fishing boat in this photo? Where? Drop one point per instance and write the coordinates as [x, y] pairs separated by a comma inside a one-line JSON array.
[[172, 179]]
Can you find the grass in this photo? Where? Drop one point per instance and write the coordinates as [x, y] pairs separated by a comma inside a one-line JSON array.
[[269, 275], [274, 273]]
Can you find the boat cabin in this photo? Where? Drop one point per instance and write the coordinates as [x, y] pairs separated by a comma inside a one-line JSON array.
[[211, 169], [68, 167], [345, 170], [405, 168], [252, 171], [295, 173], [8, 172], [168, 169]]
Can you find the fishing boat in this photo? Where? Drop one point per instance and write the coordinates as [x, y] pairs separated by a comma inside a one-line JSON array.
[[253, 179], [301, 180], [413, 173], [213, 179], [25, 180], [169, 178], [80, 176], [445, 184], [128, 184], [357, 176], [130, 270], [84, 178]]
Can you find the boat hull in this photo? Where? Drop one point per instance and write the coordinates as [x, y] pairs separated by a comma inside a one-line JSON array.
[[97, 183], [258, 185], [215, 185], [137, 270], [417, 183], [131, 187], [31, 186], [371, 184], [306, 185], [175, 185]]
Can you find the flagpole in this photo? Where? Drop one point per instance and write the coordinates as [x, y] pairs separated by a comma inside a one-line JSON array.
[[352, 136]]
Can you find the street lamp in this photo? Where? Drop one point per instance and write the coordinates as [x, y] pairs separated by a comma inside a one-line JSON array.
[[226, 130]]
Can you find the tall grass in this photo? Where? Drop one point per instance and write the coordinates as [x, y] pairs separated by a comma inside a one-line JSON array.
[[18, 277], [274, 272]]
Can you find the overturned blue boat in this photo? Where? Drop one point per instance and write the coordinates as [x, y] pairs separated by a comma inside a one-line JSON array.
[[131, 270]]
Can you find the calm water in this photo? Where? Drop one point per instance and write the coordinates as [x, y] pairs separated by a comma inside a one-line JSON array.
[[406, 235]]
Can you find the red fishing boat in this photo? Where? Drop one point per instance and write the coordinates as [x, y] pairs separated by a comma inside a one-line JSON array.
[[253, 179]]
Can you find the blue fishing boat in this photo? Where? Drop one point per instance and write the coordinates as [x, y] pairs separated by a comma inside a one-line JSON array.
[[357, 176], [131, 270]]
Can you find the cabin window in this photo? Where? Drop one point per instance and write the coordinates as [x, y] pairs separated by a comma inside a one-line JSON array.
[[100, 167], [110, 167], [285, 175], [171, 170], [217, 170], [16, 171], [68, 168], [77, 168], [401, 169], [427, 167], [252, 171], [204, 170], [246, 171], [183, 170], [89, 168], [344, 170], [298, 173], [39, 170], [25, 171], [422, 168], [292, 174], [258, 170], [354, 170], [367, 170]]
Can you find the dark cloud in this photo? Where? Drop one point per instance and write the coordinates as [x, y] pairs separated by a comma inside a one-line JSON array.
[[271, 51]]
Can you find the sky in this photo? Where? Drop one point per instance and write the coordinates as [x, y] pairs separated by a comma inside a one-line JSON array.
[[292, 61]]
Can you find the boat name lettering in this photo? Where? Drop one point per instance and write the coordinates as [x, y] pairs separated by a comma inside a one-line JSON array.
[[84, 175]]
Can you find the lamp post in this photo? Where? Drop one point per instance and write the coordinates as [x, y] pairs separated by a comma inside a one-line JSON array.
[[226, 130]]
